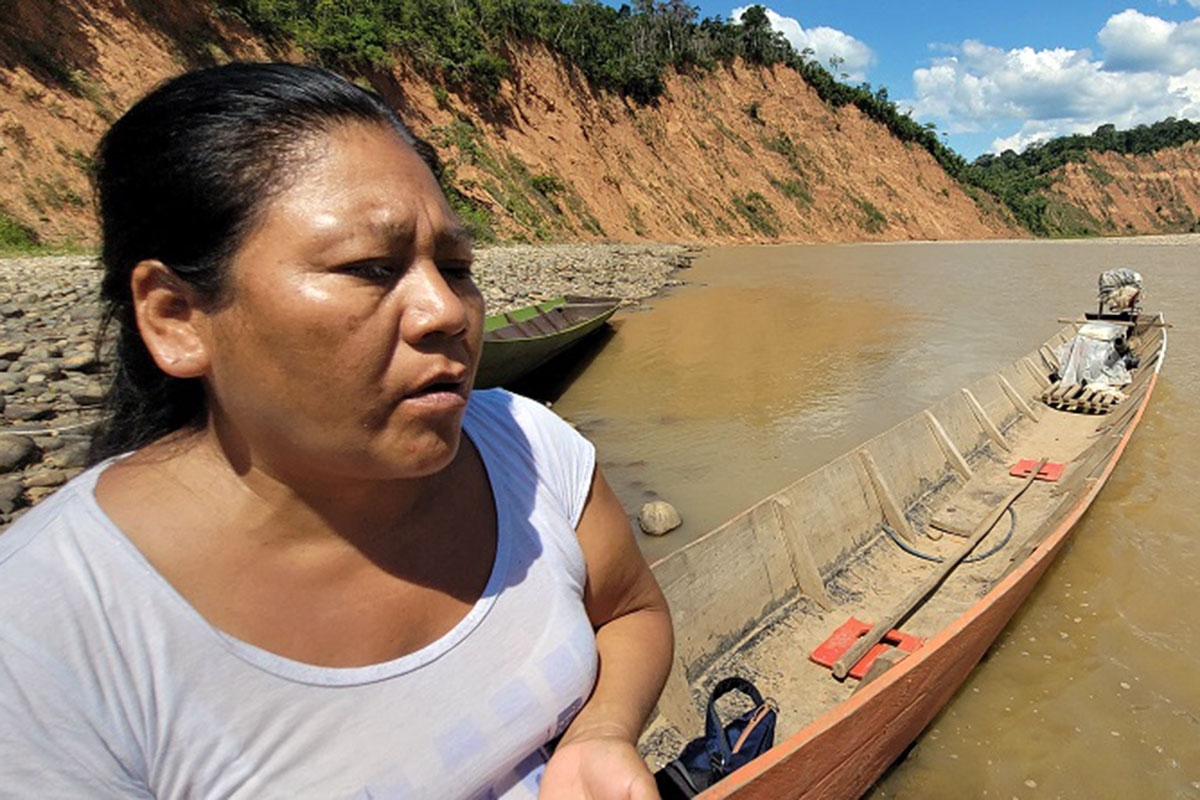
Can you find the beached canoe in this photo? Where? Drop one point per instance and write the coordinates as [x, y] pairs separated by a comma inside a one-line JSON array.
[[759, 595], [517, 342]]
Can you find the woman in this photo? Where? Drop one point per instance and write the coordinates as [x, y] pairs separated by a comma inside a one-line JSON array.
[[310, 562]]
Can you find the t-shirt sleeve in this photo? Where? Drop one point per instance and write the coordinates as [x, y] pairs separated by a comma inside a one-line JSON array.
[[53, 744], [566, 461]]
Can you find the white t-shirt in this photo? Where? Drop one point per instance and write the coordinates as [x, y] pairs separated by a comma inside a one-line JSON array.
[[112, 685]]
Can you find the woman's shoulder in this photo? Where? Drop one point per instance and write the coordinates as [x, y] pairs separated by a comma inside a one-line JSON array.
[[41, 523], [504, 413], [53, 553], [524, 437]]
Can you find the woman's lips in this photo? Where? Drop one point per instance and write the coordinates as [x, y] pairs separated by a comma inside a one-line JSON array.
[[438, 397]]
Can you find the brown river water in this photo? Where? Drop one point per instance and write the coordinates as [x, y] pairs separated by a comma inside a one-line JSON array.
[[773, 360]]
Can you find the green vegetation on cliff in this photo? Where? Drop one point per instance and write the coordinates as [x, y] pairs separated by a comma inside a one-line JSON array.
[[15, 238], [469, 48], [626, 49]]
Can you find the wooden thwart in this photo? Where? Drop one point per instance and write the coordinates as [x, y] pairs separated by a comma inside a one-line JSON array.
[[891, 509], [1122, 323], [1016, 398], [804, 566], [842, 666], [1038, 375], [952, 455], [986, 423], [1048, 356]]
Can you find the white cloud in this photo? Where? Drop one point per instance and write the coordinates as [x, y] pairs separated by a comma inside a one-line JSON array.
[[1137, 42], [1150, 70], [826, 43]]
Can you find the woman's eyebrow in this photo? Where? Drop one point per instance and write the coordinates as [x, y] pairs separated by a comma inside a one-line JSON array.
[[456, 236], [403, 231]]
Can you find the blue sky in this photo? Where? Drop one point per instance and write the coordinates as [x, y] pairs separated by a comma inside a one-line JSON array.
[[994, 76]]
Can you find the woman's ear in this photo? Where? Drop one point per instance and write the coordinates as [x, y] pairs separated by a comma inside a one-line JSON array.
[[170, 320]]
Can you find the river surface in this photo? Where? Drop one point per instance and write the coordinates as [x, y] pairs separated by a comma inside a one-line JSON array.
[[773, 360]]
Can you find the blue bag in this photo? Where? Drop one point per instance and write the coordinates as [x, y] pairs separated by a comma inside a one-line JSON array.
[[722, 749]]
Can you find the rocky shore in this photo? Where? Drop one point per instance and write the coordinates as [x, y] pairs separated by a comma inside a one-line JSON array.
[[51, 380], [519, 275]]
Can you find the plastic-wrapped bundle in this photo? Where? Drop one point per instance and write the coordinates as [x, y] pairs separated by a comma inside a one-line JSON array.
[[1093, 357], [1120, 290]]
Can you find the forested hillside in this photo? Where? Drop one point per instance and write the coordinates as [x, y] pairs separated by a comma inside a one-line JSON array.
[[629, 50], [550, 120], [1066, 186]]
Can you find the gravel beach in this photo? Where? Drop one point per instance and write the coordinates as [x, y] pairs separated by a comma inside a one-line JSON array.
[[51, 380]]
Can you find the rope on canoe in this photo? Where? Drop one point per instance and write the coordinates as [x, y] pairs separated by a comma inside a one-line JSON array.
[[912, 551]]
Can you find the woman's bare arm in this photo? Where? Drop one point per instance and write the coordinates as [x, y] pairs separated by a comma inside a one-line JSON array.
[[596, 757]]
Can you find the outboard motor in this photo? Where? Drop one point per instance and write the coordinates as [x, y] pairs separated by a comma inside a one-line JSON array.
[[1095, 364], [1120, 291]]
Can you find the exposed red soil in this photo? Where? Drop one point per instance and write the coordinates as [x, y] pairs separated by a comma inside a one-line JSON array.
[[1155, 193], [703, 164]]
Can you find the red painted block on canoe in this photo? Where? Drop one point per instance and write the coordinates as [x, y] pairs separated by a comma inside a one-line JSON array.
[[1051, 472], [844, 638]]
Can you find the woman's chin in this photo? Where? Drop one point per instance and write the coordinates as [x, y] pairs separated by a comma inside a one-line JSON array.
[[428, 455]]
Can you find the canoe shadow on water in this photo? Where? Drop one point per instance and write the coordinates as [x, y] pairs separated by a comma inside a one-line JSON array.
[[551, 380]]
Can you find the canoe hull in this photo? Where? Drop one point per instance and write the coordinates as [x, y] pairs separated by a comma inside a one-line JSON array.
[[506, 360], [840, 754]]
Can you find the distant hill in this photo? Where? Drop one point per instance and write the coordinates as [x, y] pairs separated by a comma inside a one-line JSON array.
[[1141, 180]]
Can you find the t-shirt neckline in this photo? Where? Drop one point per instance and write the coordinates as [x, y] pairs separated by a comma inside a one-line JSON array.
[[302, 672]]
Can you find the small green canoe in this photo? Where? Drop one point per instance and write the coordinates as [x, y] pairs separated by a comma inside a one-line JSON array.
[[516, 342]]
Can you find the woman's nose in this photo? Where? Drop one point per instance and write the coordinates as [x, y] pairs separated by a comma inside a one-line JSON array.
[[431, 304]]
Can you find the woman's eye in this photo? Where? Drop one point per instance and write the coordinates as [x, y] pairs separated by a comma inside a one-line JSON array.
[[455, 268], [372, 270]]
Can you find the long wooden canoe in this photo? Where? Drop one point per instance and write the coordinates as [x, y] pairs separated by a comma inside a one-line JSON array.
[[757, 595], [517, 342]]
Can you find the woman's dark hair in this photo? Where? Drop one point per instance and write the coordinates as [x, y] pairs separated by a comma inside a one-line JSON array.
[[181, 178]]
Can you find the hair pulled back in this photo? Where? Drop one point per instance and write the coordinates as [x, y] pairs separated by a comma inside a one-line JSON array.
[[180, 178]]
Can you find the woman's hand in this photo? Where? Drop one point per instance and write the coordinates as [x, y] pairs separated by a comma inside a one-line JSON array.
[[597, 768]]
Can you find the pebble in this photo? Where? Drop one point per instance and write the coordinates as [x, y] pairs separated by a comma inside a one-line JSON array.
[[71, 455], [81, 362], [11, 350], [10, 490], [36, 493], [90, 394], [16, 451], [46, 477], [30, 412], [49, 443], [658, 517], [513, 276], [38, 344]]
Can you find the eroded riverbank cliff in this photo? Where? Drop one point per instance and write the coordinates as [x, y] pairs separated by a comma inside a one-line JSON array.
[[738, 154], [1119, 193]]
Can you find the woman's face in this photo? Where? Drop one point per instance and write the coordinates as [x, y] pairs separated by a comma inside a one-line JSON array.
[[353, 329]]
